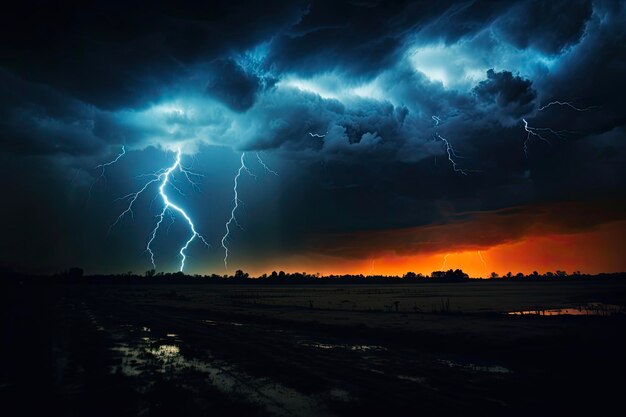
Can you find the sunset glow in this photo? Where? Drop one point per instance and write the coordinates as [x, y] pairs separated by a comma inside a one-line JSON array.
[[591, 252]]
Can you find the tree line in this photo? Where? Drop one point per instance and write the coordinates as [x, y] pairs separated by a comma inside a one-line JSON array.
[[76, 274]]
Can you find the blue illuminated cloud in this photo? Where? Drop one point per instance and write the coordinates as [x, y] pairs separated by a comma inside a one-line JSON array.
[[340, 97]]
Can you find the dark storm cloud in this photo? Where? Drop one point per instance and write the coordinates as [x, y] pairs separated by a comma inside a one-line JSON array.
[[231, 85], [512, 97], [592, 74], [475, 230], [462, 19], [285, 118], [362, 38], [122, 54], [36, 119], [549, 26], [364, 77], [353, 36]]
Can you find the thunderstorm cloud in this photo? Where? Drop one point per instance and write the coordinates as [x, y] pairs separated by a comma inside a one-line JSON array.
[[347, 101]]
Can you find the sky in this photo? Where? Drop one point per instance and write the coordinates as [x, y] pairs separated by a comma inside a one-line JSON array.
[[376, 137]]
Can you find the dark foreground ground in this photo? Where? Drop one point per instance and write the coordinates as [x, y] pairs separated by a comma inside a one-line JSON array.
[[322, 350]]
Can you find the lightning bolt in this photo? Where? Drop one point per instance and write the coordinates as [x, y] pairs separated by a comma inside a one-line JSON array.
[[539, 132], [480, 255], [165, 177], [265, 167], [445, 261], [449, 148], [372, 267], [315, 135], [565, 103], [233, 218], [103, 168], [451, 153]]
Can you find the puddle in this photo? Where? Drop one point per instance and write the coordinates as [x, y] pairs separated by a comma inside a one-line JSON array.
[[368, 348], [166, 352], [494, 369], [131, 361], [338, 394], [148, 356], [419, 380], [217, 323], [591, 309], [358, 348]]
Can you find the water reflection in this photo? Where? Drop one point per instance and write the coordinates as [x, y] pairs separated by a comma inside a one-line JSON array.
[[147, 356], [419, 380], [590, 309], [216, 323], [166, 352], [495, 369], [359, 348]]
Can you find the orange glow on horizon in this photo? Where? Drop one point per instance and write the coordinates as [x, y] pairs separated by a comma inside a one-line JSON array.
[[594, 251]]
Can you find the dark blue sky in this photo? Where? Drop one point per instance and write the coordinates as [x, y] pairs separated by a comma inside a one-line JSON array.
[[337, 97]]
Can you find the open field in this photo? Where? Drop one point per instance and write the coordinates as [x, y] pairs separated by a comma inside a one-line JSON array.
[[312, 350]]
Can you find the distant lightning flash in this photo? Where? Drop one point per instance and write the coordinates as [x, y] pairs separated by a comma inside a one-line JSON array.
[[265, 167], [445, 261], [104, 166], [451, 154], [316, 135], [164, 176], [117, 158], [233, 218], [480, 255], [449, 148], [565, 103], [542, 132], [539, 133]]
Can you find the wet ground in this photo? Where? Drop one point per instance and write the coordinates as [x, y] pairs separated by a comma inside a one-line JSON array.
[[156, 350]]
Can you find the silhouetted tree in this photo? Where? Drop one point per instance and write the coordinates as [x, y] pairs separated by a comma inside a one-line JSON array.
[[239, 274], [450, 275]]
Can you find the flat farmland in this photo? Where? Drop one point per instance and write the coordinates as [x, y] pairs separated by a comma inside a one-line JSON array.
[[314, 350]]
